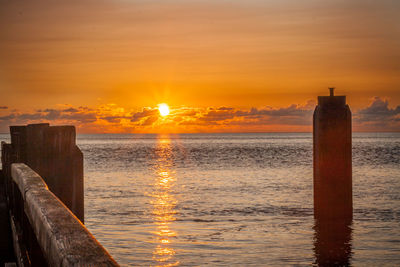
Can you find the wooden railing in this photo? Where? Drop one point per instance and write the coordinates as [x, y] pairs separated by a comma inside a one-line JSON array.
[[43, 176], [48, 231]]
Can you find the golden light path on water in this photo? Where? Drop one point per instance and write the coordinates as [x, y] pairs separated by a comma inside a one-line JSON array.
[[164, 203]]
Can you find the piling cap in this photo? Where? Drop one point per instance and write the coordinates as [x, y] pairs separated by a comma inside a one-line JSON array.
[[332, 100], [331, 89]]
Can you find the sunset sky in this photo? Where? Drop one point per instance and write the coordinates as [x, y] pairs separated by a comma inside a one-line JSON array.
[[221, 66]]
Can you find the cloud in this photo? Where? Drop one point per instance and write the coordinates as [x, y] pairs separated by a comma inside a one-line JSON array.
[[113, 119], [146, 112], [378, 116], [80, 117], [291, 115], [29, 116], [149, 121], [73, 110], [225, 108], [7, 117], [217, 115], [52, 114], [378, 110], [290, 111], [55, 116]]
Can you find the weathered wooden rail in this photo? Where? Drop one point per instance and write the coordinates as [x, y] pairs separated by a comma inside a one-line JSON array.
[[62, 238], [43, 177]]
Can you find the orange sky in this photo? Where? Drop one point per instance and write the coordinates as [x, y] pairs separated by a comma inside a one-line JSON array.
[[106, 61]]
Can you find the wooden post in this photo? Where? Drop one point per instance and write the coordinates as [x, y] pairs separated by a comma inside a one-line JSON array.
[[18, 142], [65, 167], [332, 243], [333, 201], [51, 151], [332, 159]]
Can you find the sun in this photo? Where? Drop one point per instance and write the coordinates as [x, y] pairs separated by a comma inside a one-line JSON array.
[[163, 109]]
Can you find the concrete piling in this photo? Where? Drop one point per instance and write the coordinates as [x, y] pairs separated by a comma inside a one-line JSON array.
[[332, 159]]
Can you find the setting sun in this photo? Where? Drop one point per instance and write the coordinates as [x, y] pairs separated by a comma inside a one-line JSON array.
[[164, 109]]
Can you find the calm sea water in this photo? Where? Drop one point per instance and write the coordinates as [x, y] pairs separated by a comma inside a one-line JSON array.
[[233, 199]]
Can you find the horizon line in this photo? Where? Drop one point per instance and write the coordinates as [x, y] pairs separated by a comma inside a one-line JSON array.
[[277, 132]]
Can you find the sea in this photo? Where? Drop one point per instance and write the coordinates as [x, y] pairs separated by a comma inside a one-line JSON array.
[[240, 199]]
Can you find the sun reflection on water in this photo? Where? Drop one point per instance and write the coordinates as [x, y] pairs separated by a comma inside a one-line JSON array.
[[164, 203]]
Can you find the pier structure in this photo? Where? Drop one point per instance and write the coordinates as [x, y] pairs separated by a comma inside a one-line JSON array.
[[42, 189], [51, 152], [332, 158], [333, 200]]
